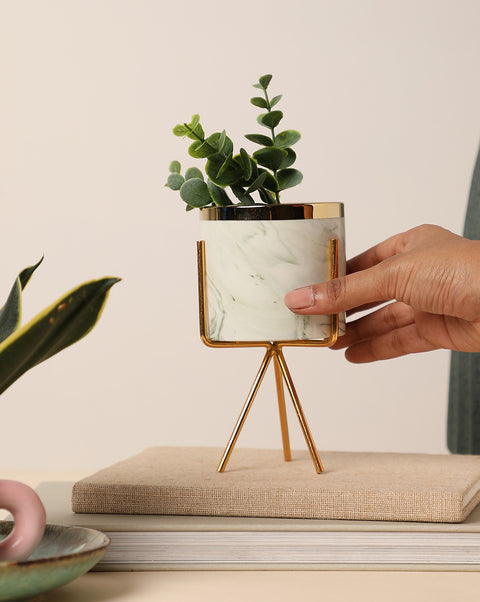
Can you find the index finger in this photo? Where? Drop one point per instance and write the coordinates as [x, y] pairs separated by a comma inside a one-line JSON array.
[[376, 254]]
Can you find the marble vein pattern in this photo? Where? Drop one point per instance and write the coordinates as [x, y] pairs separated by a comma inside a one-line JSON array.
[[251, 264]]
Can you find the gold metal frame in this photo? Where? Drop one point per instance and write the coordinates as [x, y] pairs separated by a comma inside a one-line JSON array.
[[273, 351]]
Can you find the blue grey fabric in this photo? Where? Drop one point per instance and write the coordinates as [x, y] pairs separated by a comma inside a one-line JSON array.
[[463, 430]]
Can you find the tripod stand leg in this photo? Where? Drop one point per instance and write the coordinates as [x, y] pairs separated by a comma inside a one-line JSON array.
[[298, 408], [246, 408], [287, 454]]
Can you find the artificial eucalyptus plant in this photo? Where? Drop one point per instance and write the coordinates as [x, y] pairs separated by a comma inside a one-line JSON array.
[[61, 324], [267, 171]]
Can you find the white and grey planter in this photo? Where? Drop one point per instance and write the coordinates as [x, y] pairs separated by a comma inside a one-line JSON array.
[[254, 255]]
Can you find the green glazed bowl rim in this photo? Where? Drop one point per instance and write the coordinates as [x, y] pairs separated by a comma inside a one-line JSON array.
[[91, 547]]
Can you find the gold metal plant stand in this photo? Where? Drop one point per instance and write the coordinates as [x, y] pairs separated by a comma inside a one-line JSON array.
[[273, 351]]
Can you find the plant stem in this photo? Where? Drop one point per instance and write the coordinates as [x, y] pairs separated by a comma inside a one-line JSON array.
[[272, 130], [199, 138]]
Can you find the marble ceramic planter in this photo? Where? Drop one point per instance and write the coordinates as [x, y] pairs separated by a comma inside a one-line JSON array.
[[256, 254]]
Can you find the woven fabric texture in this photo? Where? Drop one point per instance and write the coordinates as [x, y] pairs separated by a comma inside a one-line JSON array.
[[258, 483]]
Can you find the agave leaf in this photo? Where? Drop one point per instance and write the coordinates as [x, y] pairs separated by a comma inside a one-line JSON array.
[[26, 274], [58, 326], [11, 312]]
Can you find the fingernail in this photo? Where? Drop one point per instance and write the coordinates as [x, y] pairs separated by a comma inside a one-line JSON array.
[[301, 298]]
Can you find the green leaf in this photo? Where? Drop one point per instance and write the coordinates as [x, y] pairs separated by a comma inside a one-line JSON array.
[[196, 134], [259, 139], [257, 183], [26, 274], [287, 138], [195, 193], [175, 181], [241, 195], [11, 312], [225, 166], [193, 172], [219, 196], [222, 141], [201, 150], [289, 159], [222, 170], [175, 167], [270, 120], [264, 81], [258, 101], [267, 197], [254, 164], [287, 178], [270, 181], [195, 121], [275, 100], [180, 130], [271, 157], [195, 129], [61, 324], [214, 144], [199, 132], [224, 147], [245, 163]]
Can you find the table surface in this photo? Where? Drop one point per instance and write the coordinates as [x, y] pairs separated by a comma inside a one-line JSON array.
[[238, 586]]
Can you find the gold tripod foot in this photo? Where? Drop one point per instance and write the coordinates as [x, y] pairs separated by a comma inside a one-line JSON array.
[[246, 408], [281, 371]]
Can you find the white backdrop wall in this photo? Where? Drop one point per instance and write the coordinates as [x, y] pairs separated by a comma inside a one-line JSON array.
[[386, 95]]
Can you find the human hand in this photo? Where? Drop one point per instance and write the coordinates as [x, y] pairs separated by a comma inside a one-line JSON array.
[[432, 278]]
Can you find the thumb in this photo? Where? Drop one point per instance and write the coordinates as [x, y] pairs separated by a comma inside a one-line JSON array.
[[340, 294]]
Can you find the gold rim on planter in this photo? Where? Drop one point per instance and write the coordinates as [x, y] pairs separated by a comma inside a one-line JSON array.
[[272, 212]]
